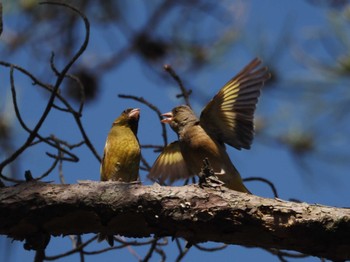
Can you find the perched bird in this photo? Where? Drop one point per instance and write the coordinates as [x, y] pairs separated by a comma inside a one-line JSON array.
[[226, 119], [122, 154]]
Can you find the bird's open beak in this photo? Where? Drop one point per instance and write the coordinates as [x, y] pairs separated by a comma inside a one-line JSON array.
[[135, 113], [168, 117]]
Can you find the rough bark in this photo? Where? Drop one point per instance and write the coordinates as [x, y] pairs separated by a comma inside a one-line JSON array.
[[35, 210]]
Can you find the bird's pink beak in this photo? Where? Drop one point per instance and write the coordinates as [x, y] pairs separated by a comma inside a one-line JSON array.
[[135, 113], [168, 117]]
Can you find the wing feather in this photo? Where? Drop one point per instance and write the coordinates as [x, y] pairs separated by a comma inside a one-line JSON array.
[[169, 166], [229, 116]]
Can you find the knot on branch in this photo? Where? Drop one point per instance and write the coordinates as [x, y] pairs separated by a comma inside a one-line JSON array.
[[37, 241], [207, 177], [28, 175]]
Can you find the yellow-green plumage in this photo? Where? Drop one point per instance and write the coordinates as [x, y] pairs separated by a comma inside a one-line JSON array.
[[122, 154]]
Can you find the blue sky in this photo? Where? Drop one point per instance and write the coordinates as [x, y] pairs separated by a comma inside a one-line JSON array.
[[265, 19]]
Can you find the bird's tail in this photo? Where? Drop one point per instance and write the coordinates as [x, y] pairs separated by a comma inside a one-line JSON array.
[[235, 183]]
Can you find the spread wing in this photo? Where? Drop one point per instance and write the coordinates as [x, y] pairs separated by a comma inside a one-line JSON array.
[[229, 116], [169, 165]]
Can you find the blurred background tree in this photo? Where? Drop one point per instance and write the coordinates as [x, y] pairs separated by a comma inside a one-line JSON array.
[[302, 121]]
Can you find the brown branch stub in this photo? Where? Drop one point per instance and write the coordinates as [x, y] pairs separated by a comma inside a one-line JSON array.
[[207, 177], [196, 214]]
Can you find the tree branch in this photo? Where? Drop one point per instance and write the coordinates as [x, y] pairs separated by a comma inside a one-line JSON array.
[[31, 209]]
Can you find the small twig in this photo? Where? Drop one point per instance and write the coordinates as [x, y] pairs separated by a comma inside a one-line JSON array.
[[65, 143], [59, 80], [81, 252], [47, 87], [30, 75], [264, 180], [150, 250], [20, 119], [182, 254], [282, 254], [61, 157], [210, 249], [184, 92], [178, 244], [122, 245], [13, 180], [161, 252], [156, 149], [59, 108], [26, 128], [132, 251], [58, 142], [60, 168], [133, 242], [63, 73], [87, 139], [82, 92], [145, 163], [73, 251], [83, 46], [45, 174], [52, 64], [74, 78]]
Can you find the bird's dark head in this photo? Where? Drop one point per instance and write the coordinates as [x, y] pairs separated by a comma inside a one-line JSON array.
[[180, 117], [129, 118]]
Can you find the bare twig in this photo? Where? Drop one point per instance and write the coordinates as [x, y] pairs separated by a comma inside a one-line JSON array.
[[26, 128], [281, 254], [155, 147], [73, 251], [74, 78], [182, 254], [45, 174], [63, 73], [147, 166], [210, 249], [264, 180], [59, 80], [150, 250], [184, 92]]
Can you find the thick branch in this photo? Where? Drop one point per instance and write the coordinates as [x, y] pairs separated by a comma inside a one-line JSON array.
[[195, 214]]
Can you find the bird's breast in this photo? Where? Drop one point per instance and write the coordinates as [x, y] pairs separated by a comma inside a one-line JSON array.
[[121, 156], [196, 145]]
